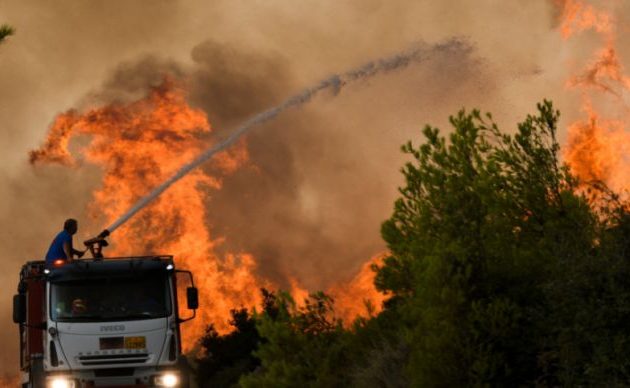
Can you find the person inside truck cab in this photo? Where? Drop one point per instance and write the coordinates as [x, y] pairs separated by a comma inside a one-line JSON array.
[[79, 306], [61, 246]]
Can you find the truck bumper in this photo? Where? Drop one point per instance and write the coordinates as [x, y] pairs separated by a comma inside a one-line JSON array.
[[118, 377]]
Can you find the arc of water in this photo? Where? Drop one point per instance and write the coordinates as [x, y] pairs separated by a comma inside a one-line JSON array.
[[334, 83]]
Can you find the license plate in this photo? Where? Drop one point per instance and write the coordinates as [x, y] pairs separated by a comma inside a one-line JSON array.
[[135, 342], [107, 343]]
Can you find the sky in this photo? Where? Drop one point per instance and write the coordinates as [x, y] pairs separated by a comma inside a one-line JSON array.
[[320, 179]]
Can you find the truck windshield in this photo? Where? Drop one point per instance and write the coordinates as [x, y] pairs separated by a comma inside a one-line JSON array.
[[110, 299]]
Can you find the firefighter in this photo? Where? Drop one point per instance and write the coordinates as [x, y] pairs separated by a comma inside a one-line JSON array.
[[61, 246]]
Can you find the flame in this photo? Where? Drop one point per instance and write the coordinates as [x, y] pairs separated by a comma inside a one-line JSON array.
[[598, 145], [140, 144], [55, 148], [356, 298], [298, 293], [597, 148], [359, 298], [576, 16]]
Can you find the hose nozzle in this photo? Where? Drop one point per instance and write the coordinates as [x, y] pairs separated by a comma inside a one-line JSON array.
[[97, 243]]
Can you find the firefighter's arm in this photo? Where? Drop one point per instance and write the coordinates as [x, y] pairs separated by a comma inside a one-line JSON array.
[[70, 251], [67, 248]]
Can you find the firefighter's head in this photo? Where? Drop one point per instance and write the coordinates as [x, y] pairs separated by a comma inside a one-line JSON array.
[[71, 226]]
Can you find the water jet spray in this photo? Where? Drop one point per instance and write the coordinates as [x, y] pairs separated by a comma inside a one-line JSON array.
[[334, 83]]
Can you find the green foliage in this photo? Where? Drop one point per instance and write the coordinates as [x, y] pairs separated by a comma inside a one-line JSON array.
[[493, 256], [303, 345], [502, 272], [5, 31], [228, 357]]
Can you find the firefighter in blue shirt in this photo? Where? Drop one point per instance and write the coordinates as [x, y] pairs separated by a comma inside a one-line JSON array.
[[61, 246]]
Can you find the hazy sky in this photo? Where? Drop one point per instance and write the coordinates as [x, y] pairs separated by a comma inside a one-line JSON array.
[[325, 176]]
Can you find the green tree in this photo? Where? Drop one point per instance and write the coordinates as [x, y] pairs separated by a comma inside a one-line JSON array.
[[504, 270], [591, 309], [228, 357], [304, 346], [484, 223], [5, 31]]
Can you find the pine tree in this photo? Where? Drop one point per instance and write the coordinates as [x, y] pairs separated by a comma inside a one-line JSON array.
[[484, 222]]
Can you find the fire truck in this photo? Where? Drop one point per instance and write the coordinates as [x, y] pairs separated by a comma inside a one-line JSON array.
[[103, 322]]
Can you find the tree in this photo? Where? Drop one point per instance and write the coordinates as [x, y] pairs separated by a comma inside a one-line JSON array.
[[484, 224], [228, 357], [505, 270], [303, 346], [5, 31]]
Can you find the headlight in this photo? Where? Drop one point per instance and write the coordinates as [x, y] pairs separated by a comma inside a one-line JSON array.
[[167, 380], [61, 382]]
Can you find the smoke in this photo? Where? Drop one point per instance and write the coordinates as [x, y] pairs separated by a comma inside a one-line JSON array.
[[333, 83], [319, 181]]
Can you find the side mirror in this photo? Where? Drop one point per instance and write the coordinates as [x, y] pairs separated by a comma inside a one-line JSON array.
[[19, 308], [192, 297]]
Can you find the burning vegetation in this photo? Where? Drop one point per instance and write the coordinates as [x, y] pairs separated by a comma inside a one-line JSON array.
[[138, 146]]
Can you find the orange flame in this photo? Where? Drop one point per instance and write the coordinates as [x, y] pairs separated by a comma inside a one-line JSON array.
[[298, 293], [356, 298], [598, 147], [577, 16], [140, 144], [359, 298]]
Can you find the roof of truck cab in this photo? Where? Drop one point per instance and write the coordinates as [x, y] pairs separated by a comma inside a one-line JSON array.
[[116, 266]]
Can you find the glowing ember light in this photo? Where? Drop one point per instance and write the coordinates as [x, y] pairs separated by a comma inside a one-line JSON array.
[[59, 262]]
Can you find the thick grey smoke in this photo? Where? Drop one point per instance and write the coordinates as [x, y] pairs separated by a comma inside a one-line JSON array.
[[333, 83]]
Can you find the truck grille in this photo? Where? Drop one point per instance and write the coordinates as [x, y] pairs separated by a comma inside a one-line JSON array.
[[114, 372], [114, 359]]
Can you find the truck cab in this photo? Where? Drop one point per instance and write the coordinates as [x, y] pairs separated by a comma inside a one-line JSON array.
[[102, 322]]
